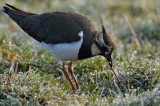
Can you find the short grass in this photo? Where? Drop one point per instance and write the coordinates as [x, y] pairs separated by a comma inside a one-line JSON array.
[[31, 76]]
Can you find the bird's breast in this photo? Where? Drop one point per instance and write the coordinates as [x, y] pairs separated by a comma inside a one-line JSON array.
[[64, 51]]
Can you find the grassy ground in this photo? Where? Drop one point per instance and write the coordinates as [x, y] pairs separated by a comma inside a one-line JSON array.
[[31, 76]]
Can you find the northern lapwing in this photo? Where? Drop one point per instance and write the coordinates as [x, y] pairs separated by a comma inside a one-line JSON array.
[[68, 36]]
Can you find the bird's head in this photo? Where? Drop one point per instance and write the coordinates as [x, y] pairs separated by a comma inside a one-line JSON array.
[[103, 45]]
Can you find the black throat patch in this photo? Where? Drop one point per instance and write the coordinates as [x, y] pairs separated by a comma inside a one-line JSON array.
[[85, 50]]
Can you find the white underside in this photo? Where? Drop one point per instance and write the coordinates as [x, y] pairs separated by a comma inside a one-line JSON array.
[[64, 51]]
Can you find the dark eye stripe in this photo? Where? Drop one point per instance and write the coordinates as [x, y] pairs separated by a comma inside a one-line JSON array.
[[98, 44], [101, 46]]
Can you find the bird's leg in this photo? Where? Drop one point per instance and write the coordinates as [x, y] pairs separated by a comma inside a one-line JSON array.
[[70, 68], [67, 76]]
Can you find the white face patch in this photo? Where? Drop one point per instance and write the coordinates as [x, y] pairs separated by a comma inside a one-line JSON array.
[[94, 49], [100, 38], [64, 51]]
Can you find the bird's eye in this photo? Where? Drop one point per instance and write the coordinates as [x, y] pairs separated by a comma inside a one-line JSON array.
[[104, 48]]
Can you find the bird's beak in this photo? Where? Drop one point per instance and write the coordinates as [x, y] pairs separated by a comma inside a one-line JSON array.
[[109, 58]]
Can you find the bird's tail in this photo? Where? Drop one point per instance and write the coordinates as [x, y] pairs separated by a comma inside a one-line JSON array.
[[15, 13], [12, 8]]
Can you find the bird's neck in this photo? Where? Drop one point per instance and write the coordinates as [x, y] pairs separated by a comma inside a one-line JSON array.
[[85, 50]]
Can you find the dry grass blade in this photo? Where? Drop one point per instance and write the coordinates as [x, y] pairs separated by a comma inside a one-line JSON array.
[[132, 30]]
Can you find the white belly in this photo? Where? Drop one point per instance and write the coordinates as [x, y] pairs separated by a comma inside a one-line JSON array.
[[64, 51]]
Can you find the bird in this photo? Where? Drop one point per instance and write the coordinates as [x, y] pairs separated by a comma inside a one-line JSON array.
[[67, 36]]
